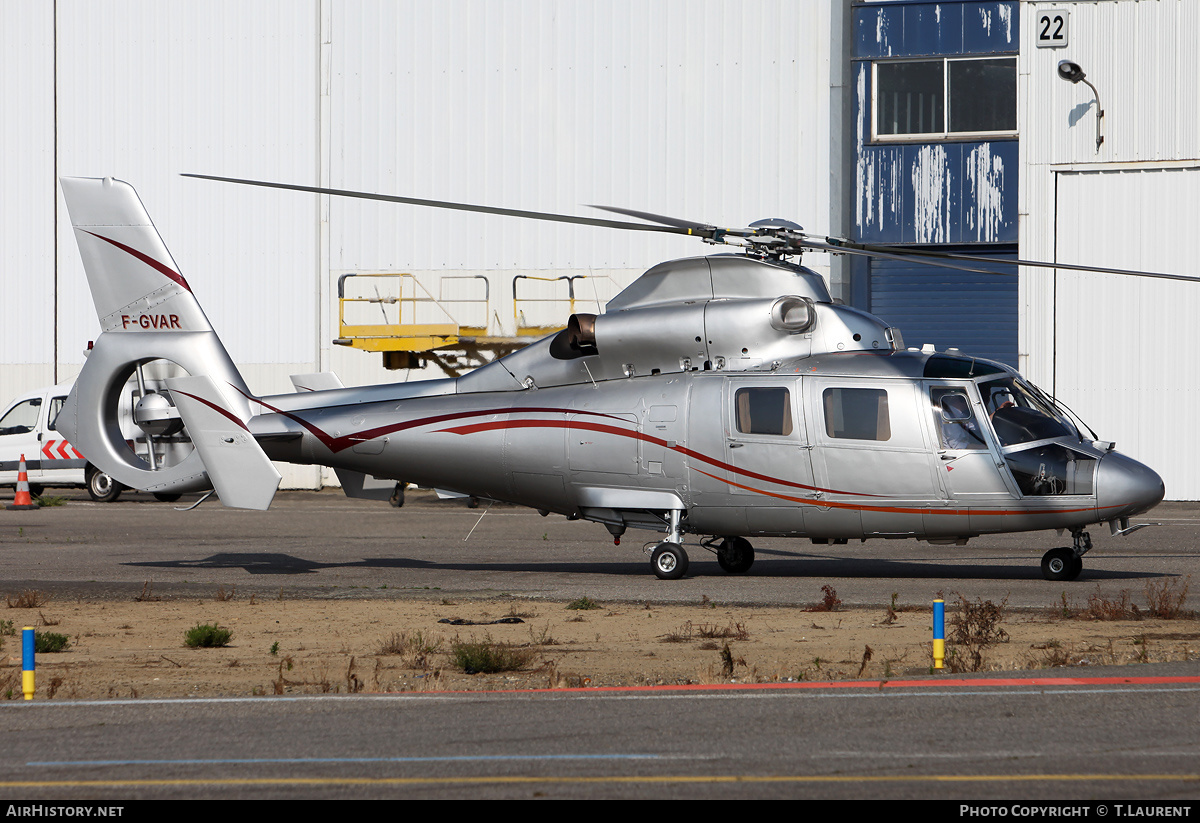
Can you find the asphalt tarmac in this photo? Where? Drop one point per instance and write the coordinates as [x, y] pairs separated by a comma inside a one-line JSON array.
[[321, 543], [1091, 738]]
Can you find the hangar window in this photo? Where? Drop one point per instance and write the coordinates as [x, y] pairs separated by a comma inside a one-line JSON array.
[[945, 97], [857, 414], [764, 411]]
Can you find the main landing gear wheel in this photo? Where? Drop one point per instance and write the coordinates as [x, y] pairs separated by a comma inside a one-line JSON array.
[[101, 487], [167, 497], [735, 555], [670, 561], [1061, 564]]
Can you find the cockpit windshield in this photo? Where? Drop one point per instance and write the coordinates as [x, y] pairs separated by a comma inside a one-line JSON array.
[[1020, 414]]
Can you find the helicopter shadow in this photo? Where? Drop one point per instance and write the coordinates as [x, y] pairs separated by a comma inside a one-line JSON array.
[[780, 564]]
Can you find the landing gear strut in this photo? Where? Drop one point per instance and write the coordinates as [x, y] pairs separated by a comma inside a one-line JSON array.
[[668, 559], [1066, 563]]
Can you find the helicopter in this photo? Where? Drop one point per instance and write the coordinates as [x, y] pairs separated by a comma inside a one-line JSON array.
[[716, 398]]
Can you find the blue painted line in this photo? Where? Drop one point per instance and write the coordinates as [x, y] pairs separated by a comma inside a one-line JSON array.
[[347, 760]]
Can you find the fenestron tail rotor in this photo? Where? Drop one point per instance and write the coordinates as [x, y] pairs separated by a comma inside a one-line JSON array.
[[773, 239]]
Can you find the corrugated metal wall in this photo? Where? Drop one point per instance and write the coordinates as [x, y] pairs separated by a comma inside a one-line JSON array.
[[947, 191], [1117, 350], [715, 110]]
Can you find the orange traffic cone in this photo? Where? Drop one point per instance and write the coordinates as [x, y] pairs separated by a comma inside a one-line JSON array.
[[22, 501]]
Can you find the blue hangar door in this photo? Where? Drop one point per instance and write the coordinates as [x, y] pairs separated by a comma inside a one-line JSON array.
[[974, 312]]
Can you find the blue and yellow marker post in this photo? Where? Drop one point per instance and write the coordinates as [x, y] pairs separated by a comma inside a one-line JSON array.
[[27, 662], [939, 633]]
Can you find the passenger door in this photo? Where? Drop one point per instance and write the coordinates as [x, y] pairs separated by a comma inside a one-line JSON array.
[[970, 467]]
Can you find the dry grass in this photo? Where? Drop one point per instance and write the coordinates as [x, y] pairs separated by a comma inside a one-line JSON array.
[[829, 601], [1165, 598], [973, 628], [28, 599]]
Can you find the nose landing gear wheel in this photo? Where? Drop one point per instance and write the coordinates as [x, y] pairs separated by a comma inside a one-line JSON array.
[[1061, 564], [735, 555], [670, 561]]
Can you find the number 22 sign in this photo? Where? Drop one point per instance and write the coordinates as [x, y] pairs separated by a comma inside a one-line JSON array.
[[1052, 29]]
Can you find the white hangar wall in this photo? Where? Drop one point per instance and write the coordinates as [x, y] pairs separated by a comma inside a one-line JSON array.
[[1116, 349], [718, 110], [714, 111]]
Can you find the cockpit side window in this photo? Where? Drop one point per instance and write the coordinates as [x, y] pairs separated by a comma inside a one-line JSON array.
[[1019, 415], [957, 426]]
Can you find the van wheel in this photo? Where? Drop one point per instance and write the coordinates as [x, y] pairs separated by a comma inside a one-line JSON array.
[[101, 487]]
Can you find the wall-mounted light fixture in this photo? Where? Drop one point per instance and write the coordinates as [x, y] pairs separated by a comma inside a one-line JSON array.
[[1074, 72]]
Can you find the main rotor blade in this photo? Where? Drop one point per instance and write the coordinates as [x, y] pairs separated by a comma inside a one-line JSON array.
[[653, 218], [698, 231], [889, 255], [899, 252]]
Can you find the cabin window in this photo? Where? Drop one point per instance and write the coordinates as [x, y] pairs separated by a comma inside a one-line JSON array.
[[857, 414], [945, 97], [764, 411]]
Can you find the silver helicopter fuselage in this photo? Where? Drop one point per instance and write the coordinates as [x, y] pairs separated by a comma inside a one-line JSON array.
[[720, 396]]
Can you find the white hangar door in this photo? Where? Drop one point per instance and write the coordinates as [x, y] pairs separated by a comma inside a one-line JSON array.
[[1125, 353]]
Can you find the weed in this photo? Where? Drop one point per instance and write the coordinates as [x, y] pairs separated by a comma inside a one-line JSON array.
[[1065, 610], [734, 631], [275, 648], [46, 501], [726, 661], [28, 599], [7, 629], [543, 638], [222, 596], [414, 650], [1055, 656], [583, 604], [207, 635], [353, 684], [974, 627], [53, 686], [891, 610], [49, 642], [866, 658], [488, 656], [1164, 598], [146, 596], [829, 602], [1100, 607], [47, 621]]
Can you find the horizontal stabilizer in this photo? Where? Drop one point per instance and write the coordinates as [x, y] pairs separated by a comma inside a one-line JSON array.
[[320, 381], [237, 466]]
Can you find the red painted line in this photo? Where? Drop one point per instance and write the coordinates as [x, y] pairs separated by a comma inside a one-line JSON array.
[[877, 685], [215, 407], [336, 444], [695, 455], [170, 273]]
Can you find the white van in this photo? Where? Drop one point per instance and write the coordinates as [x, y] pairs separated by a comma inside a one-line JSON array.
[[27, 428]]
